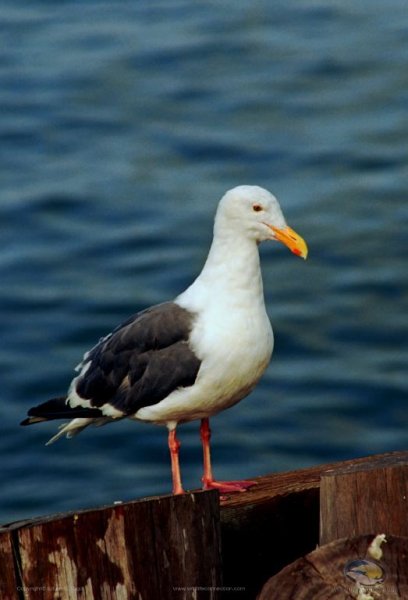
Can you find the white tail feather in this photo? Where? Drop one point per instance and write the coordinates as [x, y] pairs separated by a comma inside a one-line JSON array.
[[70, 429]]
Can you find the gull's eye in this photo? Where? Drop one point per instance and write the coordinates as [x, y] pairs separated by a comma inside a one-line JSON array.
[[257, 207]]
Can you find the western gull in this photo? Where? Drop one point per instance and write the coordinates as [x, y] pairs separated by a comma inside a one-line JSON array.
[[195, 356]]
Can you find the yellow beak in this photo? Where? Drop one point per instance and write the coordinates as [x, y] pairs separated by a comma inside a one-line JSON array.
[[292, 240]]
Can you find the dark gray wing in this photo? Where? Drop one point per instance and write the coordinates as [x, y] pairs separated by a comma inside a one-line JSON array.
[[142, 361]]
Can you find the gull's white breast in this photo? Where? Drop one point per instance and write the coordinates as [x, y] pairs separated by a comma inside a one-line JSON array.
[[235, 347]]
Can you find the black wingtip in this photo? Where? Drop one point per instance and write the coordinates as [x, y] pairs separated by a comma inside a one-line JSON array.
[[32, 420], [58, 409]]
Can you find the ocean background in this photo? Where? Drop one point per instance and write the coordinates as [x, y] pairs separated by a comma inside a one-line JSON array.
[[121, 126]]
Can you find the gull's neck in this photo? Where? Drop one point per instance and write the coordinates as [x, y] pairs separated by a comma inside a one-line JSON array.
[[231, 274]]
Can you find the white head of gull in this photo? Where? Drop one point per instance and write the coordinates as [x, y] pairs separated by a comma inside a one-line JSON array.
[[195, 356]]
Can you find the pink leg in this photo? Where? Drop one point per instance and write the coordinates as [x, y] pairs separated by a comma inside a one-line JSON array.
[[174, 447], [208, 479]]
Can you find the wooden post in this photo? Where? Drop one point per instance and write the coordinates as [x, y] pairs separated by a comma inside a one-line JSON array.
[[165, 548], [9, 582], [371, 498]]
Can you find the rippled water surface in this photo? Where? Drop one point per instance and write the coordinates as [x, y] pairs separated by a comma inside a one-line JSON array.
[[121, 125]]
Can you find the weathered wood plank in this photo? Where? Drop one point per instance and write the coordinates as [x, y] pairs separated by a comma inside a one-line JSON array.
[[9, 583], [163, 548], [195, 547], [369, 498], [301, 479], [328, 573]]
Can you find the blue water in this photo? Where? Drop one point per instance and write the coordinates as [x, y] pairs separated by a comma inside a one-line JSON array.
[[121, 125]]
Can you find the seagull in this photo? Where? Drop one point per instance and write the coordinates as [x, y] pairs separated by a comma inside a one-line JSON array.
[[190, 358]]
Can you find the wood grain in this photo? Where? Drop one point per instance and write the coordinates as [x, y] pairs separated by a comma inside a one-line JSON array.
[[320, 574], [356, 500], [163, 548], [9, 581]]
